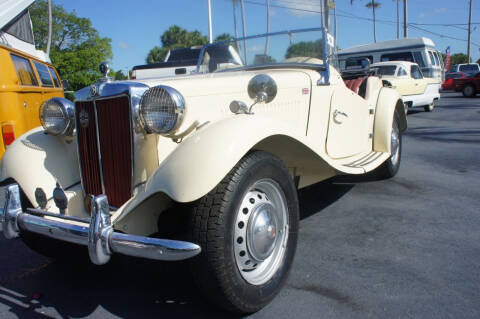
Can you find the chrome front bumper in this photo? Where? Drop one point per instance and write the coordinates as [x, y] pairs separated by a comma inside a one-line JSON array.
[[97, 233]]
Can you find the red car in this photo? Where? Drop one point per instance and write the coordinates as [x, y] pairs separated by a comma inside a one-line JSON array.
[[448, 83], [469, 86]]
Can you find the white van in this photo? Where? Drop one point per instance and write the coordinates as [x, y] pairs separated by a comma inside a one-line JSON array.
[[418, 50]]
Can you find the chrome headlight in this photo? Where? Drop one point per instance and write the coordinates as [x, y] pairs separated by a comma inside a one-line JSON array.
[[57, 116], [161, 110]]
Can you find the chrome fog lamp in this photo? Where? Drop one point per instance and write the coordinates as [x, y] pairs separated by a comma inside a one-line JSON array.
[[161, 110], [57, 116]]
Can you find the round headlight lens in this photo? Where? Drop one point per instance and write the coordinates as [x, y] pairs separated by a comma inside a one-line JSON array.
[[161, 110], [56, 116]]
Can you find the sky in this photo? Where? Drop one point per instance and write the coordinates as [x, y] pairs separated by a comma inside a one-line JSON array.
[[136, 26]]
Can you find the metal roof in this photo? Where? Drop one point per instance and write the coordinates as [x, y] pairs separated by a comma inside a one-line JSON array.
[[389, 45], [11, 9]]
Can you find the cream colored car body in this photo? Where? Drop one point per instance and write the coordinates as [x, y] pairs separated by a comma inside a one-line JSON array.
[[415, 91], [318, 131]]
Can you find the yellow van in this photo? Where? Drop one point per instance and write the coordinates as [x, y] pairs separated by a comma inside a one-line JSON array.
[[25, 82]]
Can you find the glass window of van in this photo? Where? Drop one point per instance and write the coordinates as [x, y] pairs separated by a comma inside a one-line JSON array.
[[432, 59], [54, 76], [24, 70], [43, 73], [419, 58], [401, 56], [416, 73]]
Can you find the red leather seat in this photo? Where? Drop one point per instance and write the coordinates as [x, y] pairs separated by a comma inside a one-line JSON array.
[[356, 85]]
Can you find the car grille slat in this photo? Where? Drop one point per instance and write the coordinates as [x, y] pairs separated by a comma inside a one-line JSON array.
[[114, 135]]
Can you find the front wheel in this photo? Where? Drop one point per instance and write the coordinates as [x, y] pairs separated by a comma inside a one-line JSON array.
[[247, 227], [391, 166], [430, 107]]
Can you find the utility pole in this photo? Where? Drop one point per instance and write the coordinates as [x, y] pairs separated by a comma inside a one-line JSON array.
[[210, 33], [326, 4], [398, 19], [335, 18], [49, 41], [322, 2], [244, 32], [405, 19], [469, 32]]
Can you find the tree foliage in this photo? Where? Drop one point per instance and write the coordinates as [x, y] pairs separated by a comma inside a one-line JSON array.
[[175, 37], [458, 58], [311, 49], [77, 49]]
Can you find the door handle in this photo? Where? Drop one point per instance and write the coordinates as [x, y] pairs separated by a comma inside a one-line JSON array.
[[336, 113]]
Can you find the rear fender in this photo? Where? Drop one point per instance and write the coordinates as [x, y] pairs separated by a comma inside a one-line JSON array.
[[37, 160], [389, 102]]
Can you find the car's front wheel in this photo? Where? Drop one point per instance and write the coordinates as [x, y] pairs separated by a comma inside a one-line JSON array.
[[469, 90], [430, 107], [391, 166], [247, 228]]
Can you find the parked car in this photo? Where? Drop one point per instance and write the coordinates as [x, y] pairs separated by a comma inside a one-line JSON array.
[[468, 68], [183, 61], [447, 85], [419, 50], [205, 166], [469, 86], [408, 80]]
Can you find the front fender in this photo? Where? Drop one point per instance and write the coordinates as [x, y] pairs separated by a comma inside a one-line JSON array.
[[36, 159], [389, 102], [202, 160]]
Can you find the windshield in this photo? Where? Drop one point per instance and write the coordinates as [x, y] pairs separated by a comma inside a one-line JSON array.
[[303, 47]]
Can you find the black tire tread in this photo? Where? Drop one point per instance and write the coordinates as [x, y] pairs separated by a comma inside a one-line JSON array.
[[207, 229]]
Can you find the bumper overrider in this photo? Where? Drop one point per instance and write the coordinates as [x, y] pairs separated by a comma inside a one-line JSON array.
[[96, 233]]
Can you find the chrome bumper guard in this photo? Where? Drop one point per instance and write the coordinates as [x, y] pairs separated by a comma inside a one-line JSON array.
[[97, 234]]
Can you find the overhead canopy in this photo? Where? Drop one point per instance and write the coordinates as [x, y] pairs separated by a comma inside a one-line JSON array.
[[11, 9]]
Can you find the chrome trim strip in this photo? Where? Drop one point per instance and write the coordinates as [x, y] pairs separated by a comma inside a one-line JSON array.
[[98, 235], [98, 147]]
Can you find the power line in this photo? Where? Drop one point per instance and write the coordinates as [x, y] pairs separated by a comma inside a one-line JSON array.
[[352, 16]]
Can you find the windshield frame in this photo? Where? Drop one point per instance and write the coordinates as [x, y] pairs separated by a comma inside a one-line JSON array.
[[327, 40]]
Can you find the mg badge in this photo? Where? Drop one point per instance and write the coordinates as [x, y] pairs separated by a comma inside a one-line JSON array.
[[93, 90], [83, 118]]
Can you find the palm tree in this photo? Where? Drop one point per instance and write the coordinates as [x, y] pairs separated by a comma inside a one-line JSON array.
[[372, 5]]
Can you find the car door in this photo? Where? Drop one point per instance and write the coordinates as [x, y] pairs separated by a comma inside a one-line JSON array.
[[348, 129], [419, 82]]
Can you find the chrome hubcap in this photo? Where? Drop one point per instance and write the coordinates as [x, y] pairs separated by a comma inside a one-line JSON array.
[[395, 144], [261, 232]]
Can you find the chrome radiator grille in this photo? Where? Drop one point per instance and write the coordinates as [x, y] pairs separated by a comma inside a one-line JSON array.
[[105, 148]]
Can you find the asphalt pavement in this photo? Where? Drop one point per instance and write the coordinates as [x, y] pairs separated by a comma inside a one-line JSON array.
[[408, 247]]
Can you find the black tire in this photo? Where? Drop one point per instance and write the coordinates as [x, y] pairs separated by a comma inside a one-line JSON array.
[[469, 90], [391, 166], [430, 107], [214, 221]]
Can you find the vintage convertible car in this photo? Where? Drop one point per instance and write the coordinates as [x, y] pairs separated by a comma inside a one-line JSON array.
[[407, 78], [203, 166]]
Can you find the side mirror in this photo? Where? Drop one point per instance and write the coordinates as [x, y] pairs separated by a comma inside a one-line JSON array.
[[65, 84]]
